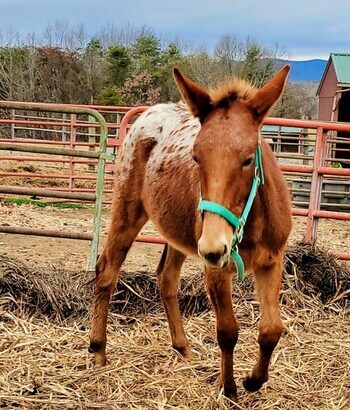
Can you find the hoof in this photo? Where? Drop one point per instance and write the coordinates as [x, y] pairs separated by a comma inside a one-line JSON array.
[[100, 362], [231, 393], [184, 351], [251, 384], [98, 349], [96, 346]]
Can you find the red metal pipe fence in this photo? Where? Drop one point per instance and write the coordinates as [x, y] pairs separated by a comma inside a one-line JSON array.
[[314, 168], [317, 170], [74, 127], [101, 155]]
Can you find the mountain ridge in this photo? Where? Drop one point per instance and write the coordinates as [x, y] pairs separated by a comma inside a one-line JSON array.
[[305, 70]]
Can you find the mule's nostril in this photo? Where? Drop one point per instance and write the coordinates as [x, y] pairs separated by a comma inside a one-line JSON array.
[[213, 257], [213, 252]]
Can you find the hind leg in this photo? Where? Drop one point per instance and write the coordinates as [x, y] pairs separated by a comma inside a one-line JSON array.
[[168, 281], [268, 283], [126, 223]]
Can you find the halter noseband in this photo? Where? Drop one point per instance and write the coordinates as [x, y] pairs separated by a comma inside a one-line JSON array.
[[232, 219]]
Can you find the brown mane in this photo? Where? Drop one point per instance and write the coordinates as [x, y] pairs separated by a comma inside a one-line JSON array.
[[232, 89]]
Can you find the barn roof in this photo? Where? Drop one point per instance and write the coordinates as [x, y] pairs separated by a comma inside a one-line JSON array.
[[274, 129], [341, 63]]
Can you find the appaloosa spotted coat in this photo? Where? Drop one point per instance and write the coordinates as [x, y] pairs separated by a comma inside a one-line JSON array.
[[171, 155]]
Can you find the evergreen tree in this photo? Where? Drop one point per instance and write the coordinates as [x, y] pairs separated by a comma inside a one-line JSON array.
[[146, 51], [257, 68], [118, 65], [93, 60]]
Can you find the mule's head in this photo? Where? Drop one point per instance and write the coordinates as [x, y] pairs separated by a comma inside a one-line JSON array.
[[231, 117]]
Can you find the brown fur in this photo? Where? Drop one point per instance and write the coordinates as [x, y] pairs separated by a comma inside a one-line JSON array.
[[162, 183]]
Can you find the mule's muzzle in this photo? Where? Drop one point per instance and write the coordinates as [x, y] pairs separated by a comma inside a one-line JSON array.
[[214, 258]]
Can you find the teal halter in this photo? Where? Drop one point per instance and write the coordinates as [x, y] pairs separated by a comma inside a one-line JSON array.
[[232, 219]]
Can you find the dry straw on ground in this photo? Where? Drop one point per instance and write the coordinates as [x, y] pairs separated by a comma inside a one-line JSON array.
[[44, 324]]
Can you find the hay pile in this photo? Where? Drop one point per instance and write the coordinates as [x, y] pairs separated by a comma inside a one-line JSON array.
[[44, 328], [319, 273], [60, 295]]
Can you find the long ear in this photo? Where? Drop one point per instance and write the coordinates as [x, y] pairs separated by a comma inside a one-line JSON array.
[[197, 99], [269, 94]]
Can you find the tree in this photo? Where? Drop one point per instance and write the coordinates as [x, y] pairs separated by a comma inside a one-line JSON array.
[[170, 57], [140, 90], [60, 76], [112, 34], [145, 52], [257, 68], [203, 68], [55, 34], [16, 74], [227, 54], [295, 103], [93, 61], [118, 65], [128, 66], [110, 95]]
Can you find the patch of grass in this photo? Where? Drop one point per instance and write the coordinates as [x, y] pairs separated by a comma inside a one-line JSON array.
[[42, 204], [63, 205]]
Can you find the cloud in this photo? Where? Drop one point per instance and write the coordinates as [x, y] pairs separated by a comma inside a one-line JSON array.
[[302, 27]]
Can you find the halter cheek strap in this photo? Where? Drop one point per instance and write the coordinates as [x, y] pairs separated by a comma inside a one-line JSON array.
[[232, 219]]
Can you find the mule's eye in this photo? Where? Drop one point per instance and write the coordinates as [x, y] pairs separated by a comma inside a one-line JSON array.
[[195, 159], [247, 162]]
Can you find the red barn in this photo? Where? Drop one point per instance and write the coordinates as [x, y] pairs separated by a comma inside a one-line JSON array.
[[334, 90], [334, 101]]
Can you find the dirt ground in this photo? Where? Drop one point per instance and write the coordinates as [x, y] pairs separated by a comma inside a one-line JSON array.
[[73, 254], [45, 365]]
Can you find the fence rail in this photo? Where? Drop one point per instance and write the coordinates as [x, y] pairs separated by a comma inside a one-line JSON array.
[[70, 152], [317, 170], [307, 152]]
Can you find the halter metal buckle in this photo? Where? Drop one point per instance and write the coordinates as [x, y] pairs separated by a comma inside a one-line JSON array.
[[257, 174], [239, 233]]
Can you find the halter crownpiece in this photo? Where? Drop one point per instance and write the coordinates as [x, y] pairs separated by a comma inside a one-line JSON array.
[[232, 219]]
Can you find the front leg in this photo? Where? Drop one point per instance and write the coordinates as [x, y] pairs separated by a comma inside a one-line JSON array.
[[268, 283], [219, 289]]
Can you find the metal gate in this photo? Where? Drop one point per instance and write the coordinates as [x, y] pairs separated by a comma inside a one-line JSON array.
[[96, 197]]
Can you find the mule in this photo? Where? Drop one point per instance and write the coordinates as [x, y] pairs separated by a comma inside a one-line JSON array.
[[203, 151]]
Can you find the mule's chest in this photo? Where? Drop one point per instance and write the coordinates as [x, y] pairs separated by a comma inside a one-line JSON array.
[[170, 195]]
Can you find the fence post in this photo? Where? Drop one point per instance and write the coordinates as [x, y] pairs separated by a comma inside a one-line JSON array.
[[316, 186], [64, 129], [72, 140], [92, 140], [279, 141], [99, 189], [13, 115]]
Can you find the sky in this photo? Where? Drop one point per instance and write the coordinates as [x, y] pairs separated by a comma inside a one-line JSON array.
[[305, 29]]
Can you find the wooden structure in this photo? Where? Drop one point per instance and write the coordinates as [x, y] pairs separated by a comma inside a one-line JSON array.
[[334, 100], [333, 90]]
